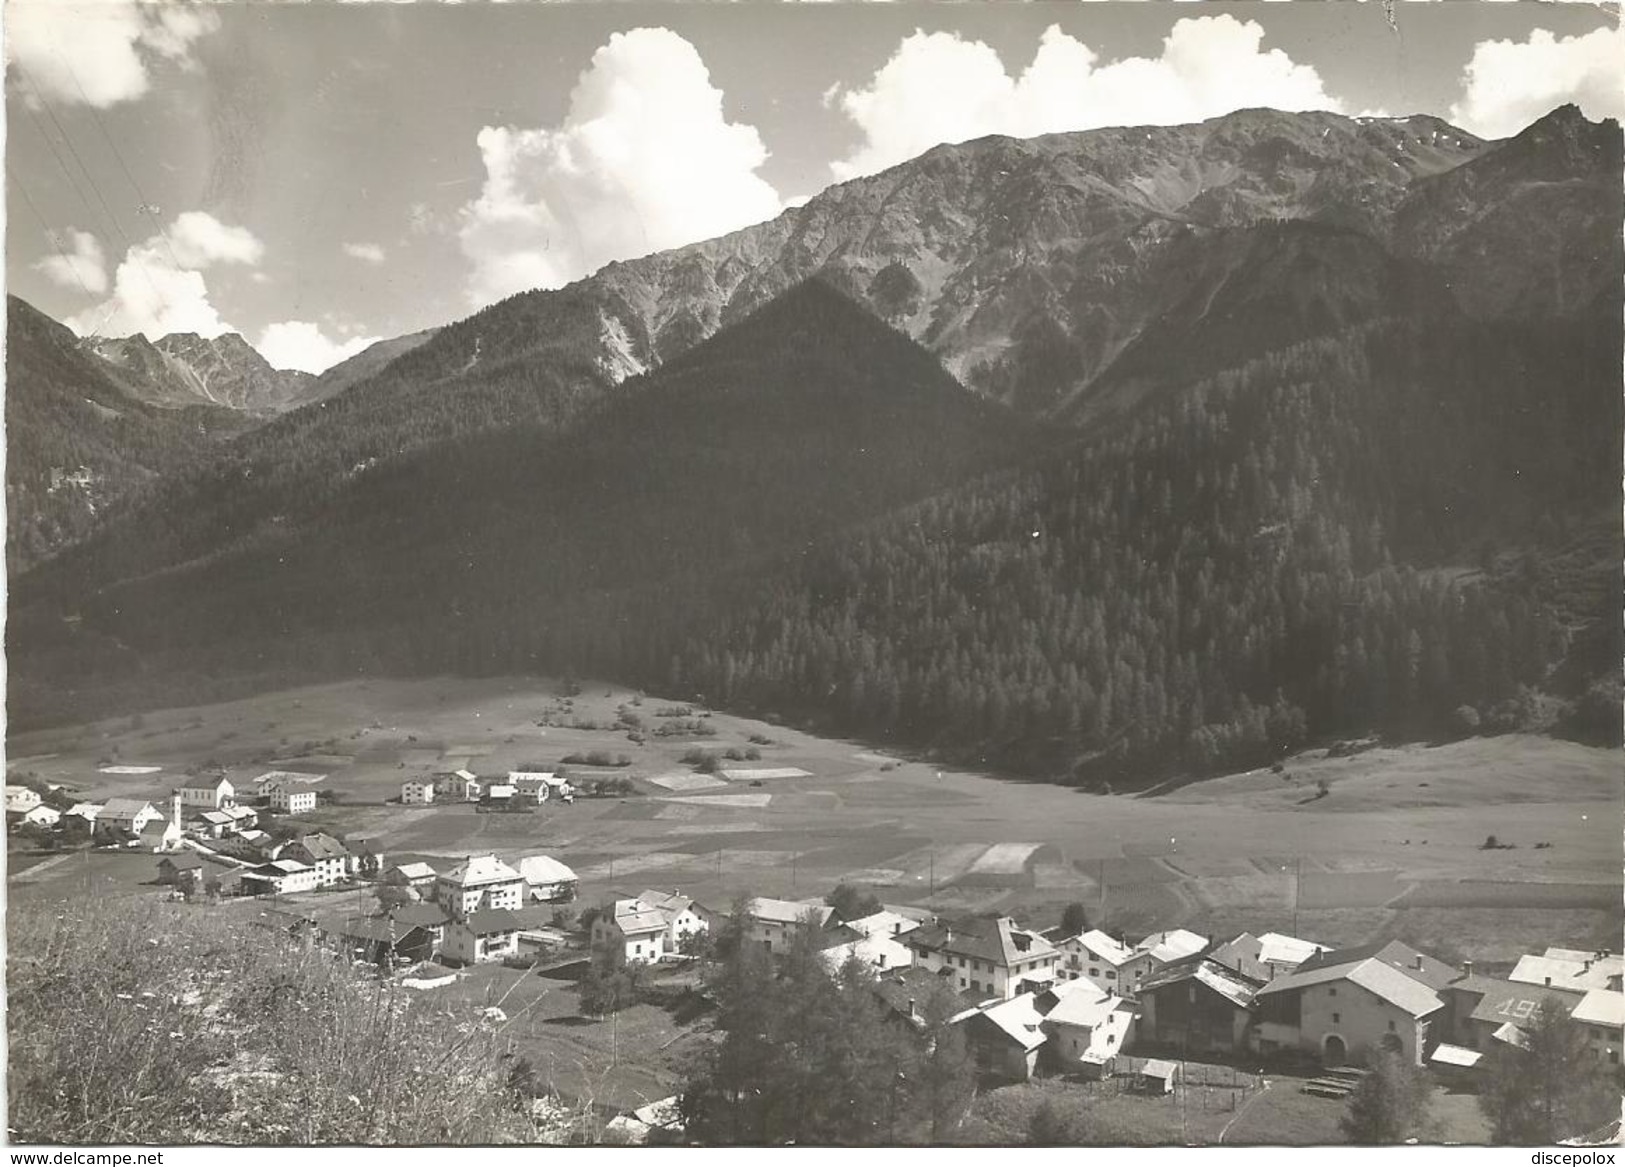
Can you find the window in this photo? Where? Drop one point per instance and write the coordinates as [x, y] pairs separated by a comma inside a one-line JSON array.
[[1094, 971], [1110, 975], [1337, 1018], [976, 986], [1332, 992], [1390, 1027]]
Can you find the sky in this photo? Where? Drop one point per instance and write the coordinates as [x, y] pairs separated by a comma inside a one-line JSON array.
[[317, 176]]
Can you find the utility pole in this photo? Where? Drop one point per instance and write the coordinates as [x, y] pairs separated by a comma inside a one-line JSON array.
[[933, 871], [1297, 891], [1101, 881]]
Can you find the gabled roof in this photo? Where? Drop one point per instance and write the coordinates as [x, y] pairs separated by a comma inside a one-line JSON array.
[[1233, 986], [1376, 976], [881, 951], [1567, 969], [218, 817], [545, 869], [421, 915], [904, 988], [1084, 1009], [414, 870], [1435, 974], [1276, 948], [1166, 947], [884, 923], [489, 920], [479, 870], [1502, 1001], [183, 861], [634, 917], [1602, 1007], [788, 911], [236, 813], [1105, 947], [322, 846], [1017, 1019], [993, 939], [202, 783], [126, 808], [85, 810]]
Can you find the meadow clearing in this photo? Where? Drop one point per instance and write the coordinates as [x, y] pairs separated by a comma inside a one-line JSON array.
[[1394, 847]]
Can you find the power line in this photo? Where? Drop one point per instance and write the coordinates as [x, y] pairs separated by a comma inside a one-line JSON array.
[[56, 245], [141, 200]]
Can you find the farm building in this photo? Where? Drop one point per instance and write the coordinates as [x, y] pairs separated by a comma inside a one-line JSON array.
[[365, 859], [180, 868], [417, 792], [879, 952], [85, 812], [461, 786], [683, 916], [884, 923], [210, 795], [213, 823], [124, 818], [486, 934], [1094, 955], [431, 918], [1198, 1006], [161, 835], [1481, 1007], [1081, 1026], [1087, 1028], [988, 955], [1263, 958], [322, 852], [278, 877], [639, 929], [21, 799], [40, 816], [905, 995], [379, 940], [418, 877], [1341, 1005], [774, 922], [1156, 952], [548, 880], [532, 784], [1158, 1076], [480, 882]]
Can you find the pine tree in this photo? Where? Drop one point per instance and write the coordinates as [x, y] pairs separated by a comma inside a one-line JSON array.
[[1552, 1088], [1389, 1105]]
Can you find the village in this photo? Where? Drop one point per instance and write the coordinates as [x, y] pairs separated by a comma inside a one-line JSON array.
[[1155, 1013]]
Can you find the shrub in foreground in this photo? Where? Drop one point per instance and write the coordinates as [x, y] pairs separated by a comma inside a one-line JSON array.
[[161, 1024]]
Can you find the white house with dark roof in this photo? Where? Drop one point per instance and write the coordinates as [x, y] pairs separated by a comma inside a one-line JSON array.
[[481, 935], [124, 818], [481, 882], [988, 955], [216, 794], [328, 857], [1341, 1005], [638, 928]]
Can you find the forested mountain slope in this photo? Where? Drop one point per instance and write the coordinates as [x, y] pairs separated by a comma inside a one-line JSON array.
[[76, 440]]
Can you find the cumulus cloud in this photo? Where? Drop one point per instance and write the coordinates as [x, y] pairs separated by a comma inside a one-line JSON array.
[[77, 263], [645, 159], [1508, 84], [99, 52], [365, 252], [938, 87], [159, 286], [299, 344]]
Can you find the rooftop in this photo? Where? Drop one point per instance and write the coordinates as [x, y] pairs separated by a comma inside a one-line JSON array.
[[1602, 1007], [422, 915], [414, 870], [489, 920], [1433, 973], [1233, 986], [636, 917], [545, 869], [1166, 947], [478, 871], [1501, 1001], [1564, 968], [995, 939], [788, 911], [1386, 981], [884, 923]]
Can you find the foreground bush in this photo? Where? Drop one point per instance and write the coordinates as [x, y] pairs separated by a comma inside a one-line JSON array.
[[156, 1023]]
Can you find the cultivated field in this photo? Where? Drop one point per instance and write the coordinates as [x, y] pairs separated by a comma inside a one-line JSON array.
[[1395, 846]]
